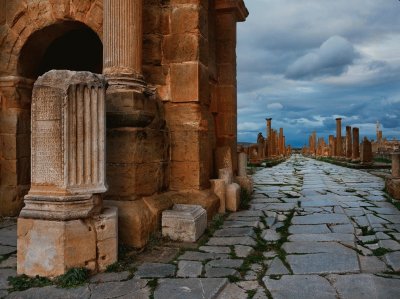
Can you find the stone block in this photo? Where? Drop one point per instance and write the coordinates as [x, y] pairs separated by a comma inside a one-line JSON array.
[[135, 222], [184, 222], [130, 181], [191, 47], [232, 197], [189, 82], [393, 187], [226, 175], [137, 145], [218, 186], [49, 248], [189, 19], [152, 52], [245, 182], [107, 252], [106, 224], [188, 175]]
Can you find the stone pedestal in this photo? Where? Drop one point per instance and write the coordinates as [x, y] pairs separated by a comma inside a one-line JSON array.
[[184, 222], [355, 146], [396, 165], [218, 186], [366, 152], [242, 164], [245, 182], [64, 224], [232, 197]]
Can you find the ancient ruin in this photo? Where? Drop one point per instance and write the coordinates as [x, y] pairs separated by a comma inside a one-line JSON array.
[[63, 224], [168, 108], [270, 148]]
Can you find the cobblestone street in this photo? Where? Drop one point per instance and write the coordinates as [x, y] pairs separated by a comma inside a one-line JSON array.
[[312, 230]]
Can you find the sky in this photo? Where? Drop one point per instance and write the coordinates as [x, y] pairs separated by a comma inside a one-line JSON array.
[[305, 63]]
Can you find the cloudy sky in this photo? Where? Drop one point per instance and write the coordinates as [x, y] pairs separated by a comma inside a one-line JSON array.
[[306, 62]]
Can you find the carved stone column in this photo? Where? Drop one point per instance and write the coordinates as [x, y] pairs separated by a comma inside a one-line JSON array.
[[123, 42], [348, 143], [269, 136], [356, 145], [129, 102], [339, 149], [64, 224]]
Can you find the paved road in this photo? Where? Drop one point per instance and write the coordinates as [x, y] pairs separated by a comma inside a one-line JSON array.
[[312, 230]]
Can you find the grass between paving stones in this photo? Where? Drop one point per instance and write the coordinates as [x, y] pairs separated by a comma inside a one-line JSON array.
[[152, 284], [6, 256], [73, 278], [366, 231], [251, 293], [380, 251], [245, 198]]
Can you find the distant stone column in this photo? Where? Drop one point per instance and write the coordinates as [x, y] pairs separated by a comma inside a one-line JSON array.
[[314, 138], [396, 165], [269, 136], [280, 141], [366, 151], [331, 145], [355, 145], [339, 149], [348, 143]]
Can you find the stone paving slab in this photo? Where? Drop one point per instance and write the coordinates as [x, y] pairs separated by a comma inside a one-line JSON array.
[[155, 270], [189, 288], [321, 219], [324, 263], [300, 287], [134, 288], [52, 292], [362, 286]]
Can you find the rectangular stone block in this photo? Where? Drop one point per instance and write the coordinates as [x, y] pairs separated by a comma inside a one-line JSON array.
[[106, 224], [189, 145], [135, 222], [232, 197], [136, 145], [189, 18], [128, 181], [186, 175], [107, 253], [184, 222], [49, 248], [189, 82]]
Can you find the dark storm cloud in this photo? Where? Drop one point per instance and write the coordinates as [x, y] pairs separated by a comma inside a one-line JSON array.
[[317, 60], [332, 58]]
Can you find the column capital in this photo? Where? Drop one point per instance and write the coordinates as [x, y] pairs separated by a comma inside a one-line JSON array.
[[236, 6]]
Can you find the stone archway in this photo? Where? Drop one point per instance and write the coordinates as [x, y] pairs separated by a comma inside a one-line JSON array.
[[63, 45]]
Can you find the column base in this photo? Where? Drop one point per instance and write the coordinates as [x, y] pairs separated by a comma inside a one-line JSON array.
[[392, 185], [61, 207], [50, 248]]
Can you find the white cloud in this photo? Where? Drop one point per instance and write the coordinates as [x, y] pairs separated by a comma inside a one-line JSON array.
[[274, 106]]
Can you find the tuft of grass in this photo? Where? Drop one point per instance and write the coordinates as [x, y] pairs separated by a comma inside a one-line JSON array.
[[24, 282], [245, 198], [366, 231], [251, 293], [380, 251], [152, 284], [233, 278], [73, 278]]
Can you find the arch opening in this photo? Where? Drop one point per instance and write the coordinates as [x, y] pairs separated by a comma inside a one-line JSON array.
[[67, 45]]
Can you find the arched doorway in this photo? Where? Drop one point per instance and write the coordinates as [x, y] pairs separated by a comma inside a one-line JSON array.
[[68, 45]]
